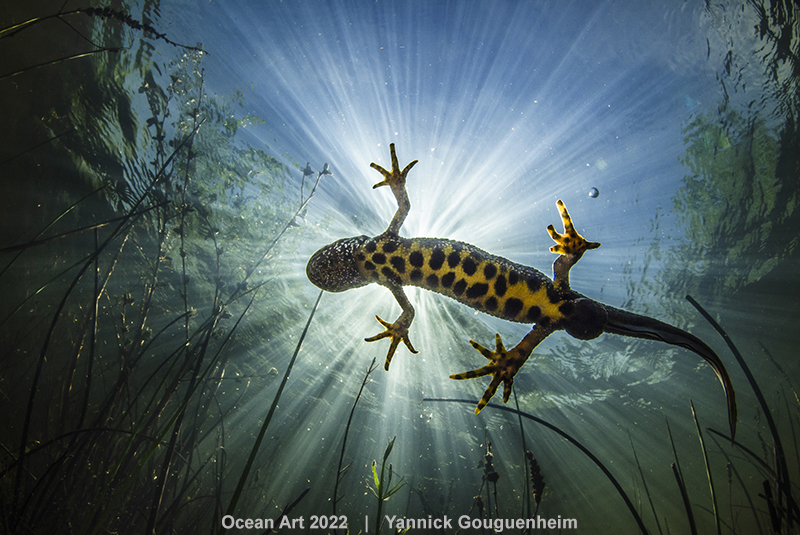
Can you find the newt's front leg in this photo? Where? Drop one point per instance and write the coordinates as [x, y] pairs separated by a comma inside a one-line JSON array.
[[397, 331], [570, 246], [396, 179]]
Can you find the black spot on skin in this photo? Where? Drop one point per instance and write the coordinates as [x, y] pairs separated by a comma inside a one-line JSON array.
[[374, 275], [370, 247], [490, 304], [437, 259], [416, 275], [398, 263], [459, 287], [545, 321], [534, 284], [469, 266], [500, 286], [379, 258], [453, 259], [512, 307], [391, 275], [533, 314], [566, 308], [448, 278], [360, 257], [513, 278], [389, 246], [432, 281], [553, 295], [416, 259], [477, 290], [369, 265], [489, 271]]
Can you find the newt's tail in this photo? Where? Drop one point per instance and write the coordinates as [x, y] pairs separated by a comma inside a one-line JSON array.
[[636, 326]]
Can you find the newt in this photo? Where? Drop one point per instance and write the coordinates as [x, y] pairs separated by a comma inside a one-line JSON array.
[[491, 284]]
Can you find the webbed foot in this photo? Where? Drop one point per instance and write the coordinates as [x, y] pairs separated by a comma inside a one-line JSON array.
[[394, 178], [570, 243], [398, 332], [503, 366]]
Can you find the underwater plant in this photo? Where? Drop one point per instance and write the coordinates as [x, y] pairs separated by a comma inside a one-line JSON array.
[[490, 475], [382, 487], [537, 481], [340, 471], [134, 313]]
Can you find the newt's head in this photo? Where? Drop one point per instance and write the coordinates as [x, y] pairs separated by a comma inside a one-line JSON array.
[[334, 267]]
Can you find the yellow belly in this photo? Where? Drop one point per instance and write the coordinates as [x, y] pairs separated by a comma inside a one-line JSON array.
[[485, 282]]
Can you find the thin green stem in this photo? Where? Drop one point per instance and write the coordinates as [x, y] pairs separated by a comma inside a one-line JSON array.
[[644, 482], [59, 60], [708, 470], [339, 469], [686, 503], [254, 450]]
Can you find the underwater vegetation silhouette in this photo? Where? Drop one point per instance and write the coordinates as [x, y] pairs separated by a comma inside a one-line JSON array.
[[148, 345], [130, 446]]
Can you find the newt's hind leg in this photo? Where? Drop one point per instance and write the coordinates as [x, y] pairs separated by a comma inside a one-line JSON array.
[[396, 179], [397, 331], [569, 245], [503, 364]]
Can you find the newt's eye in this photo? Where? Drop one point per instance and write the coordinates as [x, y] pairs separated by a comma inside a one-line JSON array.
[[334, 269]]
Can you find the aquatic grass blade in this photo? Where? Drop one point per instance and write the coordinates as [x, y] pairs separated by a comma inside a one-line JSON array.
[[119, 493], [72, 232], [753, 455], [254, 451], [783, 480], [686, 503], [708, 470], [676, 469], [55, 220], [644, 482], [751, 505], [340, 471], [59, 60], [526, 505]]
